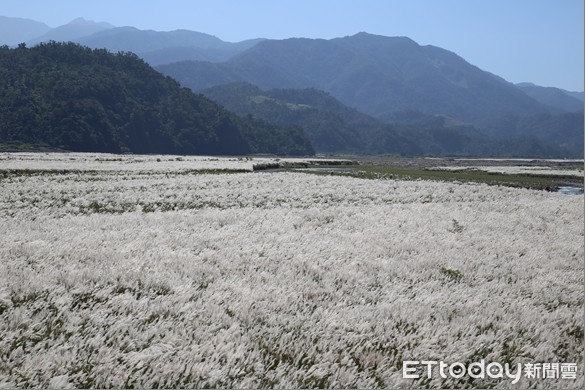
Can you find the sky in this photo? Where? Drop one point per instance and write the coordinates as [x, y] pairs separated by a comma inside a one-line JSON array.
[[539, 41]]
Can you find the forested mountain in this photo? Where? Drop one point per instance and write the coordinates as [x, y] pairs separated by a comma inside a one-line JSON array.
[[334, 127], [17, 30], [377, 75], [331, 126], [74, 98], [554, 97], [191, 53], [563, 130]]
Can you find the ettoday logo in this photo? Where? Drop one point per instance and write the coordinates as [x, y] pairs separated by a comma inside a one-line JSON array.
[[415, 369], [476, 370]]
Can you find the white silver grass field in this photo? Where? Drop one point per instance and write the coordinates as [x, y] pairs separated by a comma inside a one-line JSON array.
[[155, 277]]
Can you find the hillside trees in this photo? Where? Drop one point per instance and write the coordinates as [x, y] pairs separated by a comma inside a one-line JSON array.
[[74, 98]]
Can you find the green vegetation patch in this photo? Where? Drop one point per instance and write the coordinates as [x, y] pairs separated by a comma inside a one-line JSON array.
[[452, 274], [374, 171]]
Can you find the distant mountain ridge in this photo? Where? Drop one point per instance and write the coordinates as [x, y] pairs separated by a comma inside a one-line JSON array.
[[166, 46], [18, 30], [156, 47], [555, 97], [76, 29], [137, 41], [377, 75]]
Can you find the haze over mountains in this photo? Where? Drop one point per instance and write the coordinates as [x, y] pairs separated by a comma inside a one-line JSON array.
[[17, 30], [380, 79], [157, 47], [554, 97], [72, 31], [376, 75]]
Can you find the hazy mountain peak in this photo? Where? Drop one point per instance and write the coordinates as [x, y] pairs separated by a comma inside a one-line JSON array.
[[86, 22], [16, 30], [79, 20], [369, 37], [72, 31]]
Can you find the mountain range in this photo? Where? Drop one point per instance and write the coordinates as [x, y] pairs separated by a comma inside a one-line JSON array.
[[156, 47], [377, 75], [392, 81], [165, 47]]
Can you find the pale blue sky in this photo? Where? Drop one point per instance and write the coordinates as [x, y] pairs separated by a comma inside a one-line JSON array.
[[521, 40]]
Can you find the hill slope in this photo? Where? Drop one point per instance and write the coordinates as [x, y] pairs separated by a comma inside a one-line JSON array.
[[577, 95], [75, 98], [334, 127], [377, 75], [331, 126]]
